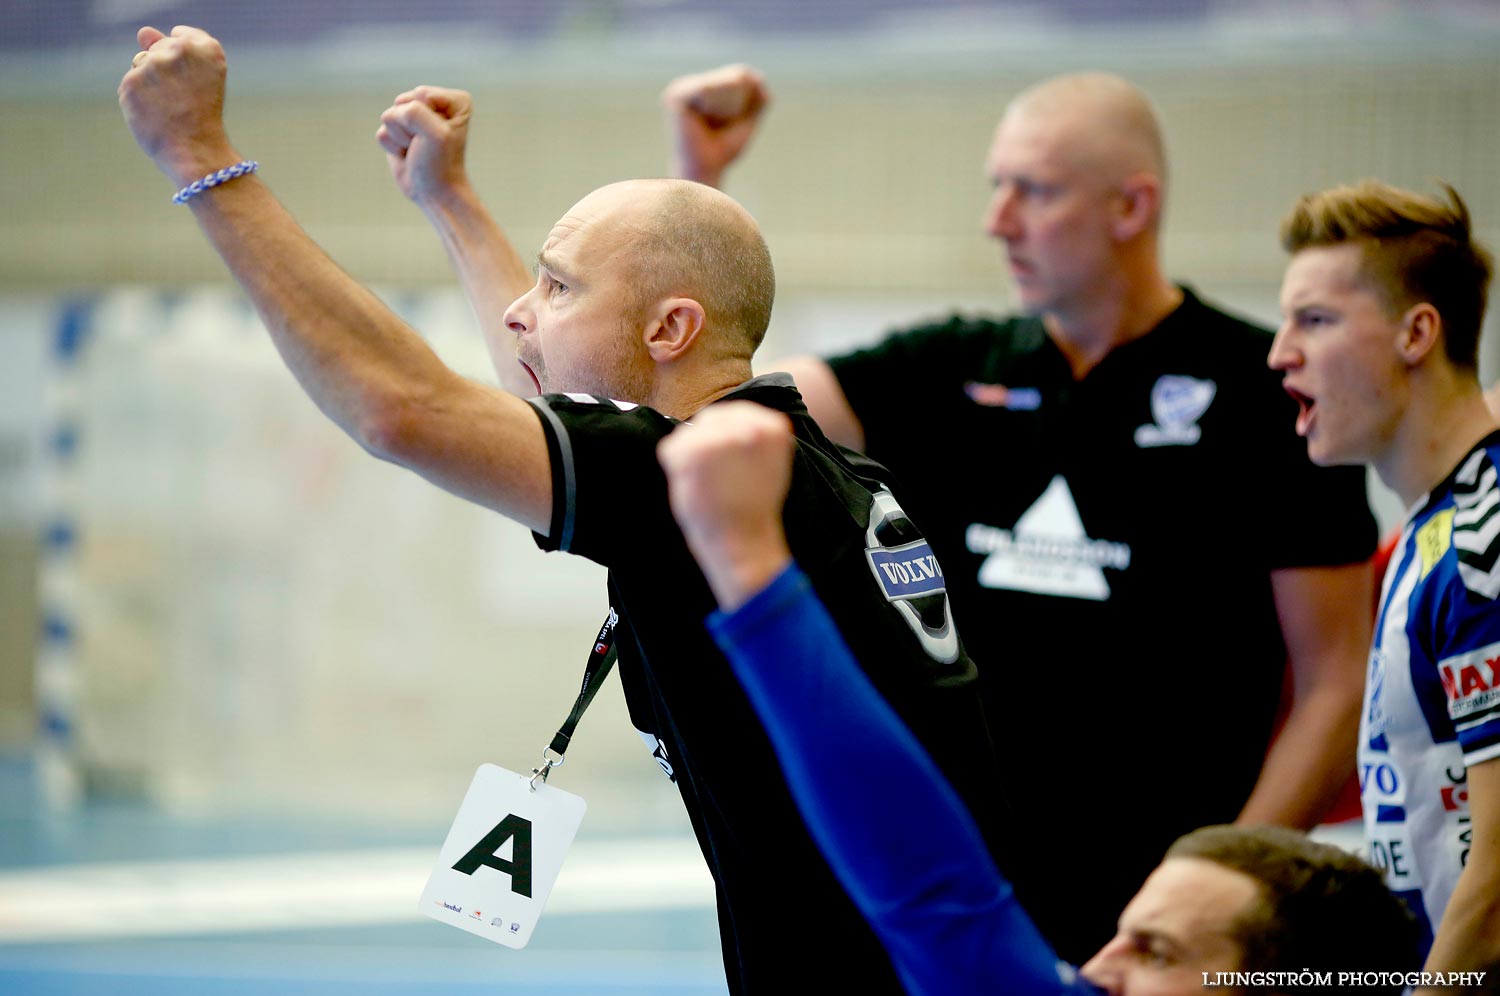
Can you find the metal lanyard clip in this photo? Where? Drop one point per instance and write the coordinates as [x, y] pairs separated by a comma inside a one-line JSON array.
[[545, 768], [601, 660]]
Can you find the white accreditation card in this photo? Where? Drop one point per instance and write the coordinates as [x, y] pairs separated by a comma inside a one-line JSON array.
[[502, 856]]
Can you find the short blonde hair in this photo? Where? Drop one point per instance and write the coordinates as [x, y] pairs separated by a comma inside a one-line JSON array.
[[1416, 249]]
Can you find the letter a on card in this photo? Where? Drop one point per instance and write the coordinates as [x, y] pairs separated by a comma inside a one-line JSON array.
[[502, 856]]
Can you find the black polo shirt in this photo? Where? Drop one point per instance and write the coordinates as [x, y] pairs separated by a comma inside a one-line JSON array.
[[881, 585], [1109, 544]]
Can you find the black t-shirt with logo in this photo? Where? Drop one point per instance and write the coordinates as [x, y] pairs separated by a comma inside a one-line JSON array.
[[885, 590], [1108, 545]]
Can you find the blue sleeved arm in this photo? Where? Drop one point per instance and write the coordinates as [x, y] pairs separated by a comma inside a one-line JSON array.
[[893, 830]]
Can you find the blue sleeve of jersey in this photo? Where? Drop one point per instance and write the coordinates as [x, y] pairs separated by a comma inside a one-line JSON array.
[[1463, 546], [892, 828], [1469, 668]]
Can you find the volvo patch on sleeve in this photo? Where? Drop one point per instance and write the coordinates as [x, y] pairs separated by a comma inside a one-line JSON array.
[[907, 571], [502, 856], [910, 577]]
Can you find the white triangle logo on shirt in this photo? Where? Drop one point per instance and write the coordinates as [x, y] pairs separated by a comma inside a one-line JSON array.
[[1048, 553]]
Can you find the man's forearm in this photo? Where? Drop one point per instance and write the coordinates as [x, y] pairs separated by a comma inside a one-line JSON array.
[[371, 373], [1326, 627], [352, 355], [1468, 936], [491, 271], [1310, 760], [364, 367]]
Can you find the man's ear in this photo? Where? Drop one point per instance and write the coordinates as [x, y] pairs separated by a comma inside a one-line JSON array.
[[1421, 333], [1139, 203], [673, 329]]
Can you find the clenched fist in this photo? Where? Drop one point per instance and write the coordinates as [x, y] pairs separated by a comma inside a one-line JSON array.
[[714, 115], [173, 101], [728, 473], [424, 133]]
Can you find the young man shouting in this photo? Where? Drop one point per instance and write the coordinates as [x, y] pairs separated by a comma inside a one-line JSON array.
[[1383, 302]]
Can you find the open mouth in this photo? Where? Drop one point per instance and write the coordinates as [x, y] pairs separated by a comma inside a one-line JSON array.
[[1306, 407], [532, 374]]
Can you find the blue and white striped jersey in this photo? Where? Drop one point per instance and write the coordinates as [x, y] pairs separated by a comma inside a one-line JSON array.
[[1432, 695]]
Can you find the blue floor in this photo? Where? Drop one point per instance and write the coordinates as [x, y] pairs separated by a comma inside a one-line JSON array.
[[672, 951], [375, 962]]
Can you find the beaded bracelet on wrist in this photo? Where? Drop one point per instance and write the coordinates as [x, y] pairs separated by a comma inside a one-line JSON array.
[[224, 175]]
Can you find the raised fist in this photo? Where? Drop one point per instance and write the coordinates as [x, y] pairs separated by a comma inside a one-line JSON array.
[[714, 115], [173, 101], [424, 133], [728, 473]]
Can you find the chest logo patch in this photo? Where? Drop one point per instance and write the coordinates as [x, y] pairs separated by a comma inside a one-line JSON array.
[[1434, 539], [1048, 552], [1177, 403], [1017, 399]]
